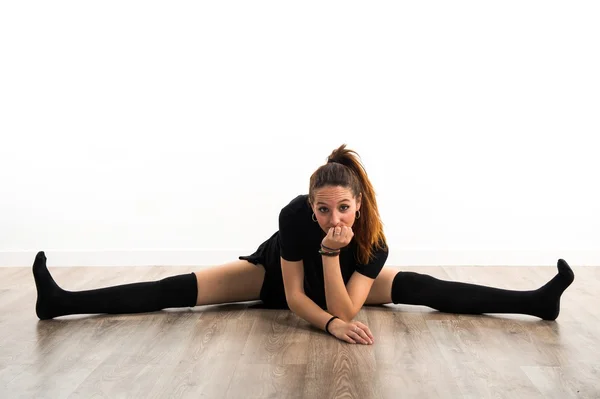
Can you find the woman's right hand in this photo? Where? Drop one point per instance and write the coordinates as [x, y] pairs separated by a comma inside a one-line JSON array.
[[353, 332]]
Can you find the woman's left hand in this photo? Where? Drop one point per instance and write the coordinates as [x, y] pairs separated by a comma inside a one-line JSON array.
[[338, 237]]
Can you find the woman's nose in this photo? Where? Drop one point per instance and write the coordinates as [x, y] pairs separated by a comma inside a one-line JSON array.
[[335, 219]]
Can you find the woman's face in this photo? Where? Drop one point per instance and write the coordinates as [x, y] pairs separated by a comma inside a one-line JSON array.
[[335, 206]]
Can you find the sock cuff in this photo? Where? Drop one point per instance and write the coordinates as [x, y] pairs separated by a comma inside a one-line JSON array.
[[193, 289]]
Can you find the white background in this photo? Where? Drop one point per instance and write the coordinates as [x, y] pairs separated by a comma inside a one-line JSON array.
[[172, 133]]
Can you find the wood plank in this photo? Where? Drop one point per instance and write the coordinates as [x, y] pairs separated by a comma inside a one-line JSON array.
[[339, 369], [267, 381], [278, 337], [578, 381]]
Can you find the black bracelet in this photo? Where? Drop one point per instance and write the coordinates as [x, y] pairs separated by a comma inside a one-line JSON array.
[[329, 249], [327, 325], [326, 253]]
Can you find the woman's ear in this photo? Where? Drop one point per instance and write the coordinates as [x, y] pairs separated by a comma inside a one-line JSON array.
[[358, 201]]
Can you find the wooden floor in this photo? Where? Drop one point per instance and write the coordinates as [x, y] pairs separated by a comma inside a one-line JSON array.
[[243, 351]]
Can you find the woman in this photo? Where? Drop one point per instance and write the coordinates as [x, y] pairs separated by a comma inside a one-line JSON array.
[[324, 263]]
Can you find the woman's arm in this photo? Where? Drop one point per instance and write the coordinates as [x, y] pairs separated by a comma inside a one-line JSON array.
[[355, 332], [343, 301], [336, 295], [308, 310], [293, 282]]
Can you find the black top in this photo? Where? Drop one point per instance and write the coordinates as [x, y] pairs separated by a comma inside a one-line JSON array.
[[300, 239]]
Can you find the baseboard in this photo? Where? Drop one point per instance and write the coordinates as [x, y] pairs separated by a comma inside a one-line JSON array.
[[206, 258]]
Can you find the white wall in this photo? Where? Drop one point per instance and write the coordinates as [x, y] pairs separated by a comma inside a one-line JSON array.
[[173, 133]]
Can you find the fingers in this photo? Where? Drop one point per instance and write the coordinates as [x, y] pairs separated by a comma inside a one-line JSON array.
[[344, 231], [341, 230], [357, 333], [364, 336], [360, 335], [341, 233], [338, 237], [348, 339], [352, 338], [366, 330]]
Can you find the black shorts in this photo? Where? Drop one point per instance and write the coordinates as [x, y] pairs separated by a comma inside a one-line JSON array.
[[272, 292]]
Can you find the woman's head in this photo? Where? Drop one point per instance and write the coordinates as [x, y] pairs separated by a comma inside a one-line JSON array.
[[340, 193]]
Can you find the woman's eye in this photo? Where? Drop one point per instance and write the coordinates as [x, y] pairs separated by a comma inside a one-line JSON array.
[[343, 208]]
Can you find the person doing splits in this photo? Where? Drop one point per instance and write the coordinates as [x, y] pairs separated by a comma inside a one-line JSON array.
[[324, 263]]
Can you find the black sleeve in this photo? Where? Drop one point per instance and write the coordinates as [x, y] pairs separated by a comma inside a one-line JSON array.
[[290, 243], [373, 268]]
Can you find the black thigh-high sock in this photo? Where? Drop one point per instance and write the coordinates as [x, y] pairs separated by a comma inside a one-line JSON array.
[[53, 301], [455, 297]]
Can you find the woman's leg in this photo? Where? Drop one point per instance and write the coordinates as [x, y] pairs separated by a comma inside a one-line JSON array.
[[237, 281], [381, 291], [412, 288]]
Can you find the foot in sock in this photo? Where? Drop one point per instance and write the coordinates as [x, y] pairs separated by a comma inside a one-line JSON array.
[[138, 297], [547, 298], [47, 290]]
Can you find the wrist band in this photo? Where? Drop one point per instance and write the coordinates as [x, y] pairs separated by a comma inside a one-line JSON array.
[[327, 253], [329, 249], [327, 325]]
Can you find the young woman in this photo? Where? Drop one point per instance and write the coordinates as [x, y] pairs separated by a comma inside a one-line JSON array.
[[324, 263]]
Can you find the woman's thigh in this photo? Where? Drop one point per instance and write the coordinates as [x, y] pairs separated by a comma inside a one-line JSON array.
[[236, 281], [381, 291]]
